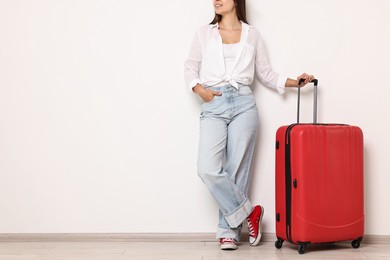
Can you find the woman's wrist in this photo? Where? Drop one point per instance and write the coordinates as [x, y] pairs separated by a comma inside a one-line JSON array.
[[291, 83], [198, 88]]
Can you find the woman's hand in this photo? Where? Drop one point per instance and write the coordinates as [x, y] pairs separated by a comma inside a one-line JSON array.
[[294, 83], [206, 94], [306, 77]]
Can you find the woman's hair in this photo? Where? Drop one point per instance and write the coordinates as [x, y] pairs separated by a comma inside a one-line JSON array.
[[240, 11]]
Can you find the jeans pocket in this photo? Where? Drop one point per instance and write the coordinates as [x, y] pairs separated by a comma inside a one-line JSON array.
[[245, 91], [214, 99], [209, 102]]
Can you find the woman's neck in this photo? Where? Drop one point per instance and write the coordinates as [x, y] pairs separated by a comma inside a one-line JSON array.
[[230, 22]]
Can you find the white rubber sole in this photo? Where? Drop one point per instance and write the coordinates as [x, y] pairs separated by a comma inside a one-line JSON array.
[[229, 246]]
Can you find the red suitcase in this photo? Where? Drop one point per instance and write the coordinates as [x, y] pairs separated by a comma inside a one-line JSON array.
[[319, 183]]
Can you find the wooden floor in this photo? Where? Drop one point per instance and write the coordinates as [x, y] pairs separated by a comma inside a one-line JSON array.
[[182, 250]]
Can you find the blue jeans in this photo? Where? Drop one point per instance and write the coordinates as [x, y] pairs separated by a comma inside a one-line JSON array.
[[228, 130]]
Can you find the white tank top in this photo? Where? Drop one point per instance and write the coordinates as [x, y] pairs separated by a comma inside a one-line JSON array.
[[229, 54]]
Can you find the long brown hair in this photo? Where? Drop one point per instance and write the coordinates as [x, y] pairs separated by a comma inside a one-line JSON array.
[[240, 11]]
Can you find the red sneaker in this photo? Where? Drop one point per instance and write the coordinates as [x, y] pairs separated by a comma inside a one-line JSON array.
[[228, 244], [254, 225]]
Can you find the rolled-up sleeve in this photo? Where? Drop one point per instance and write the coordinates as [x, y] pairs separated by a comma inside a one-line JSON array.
[[264, 72], [192, 63]]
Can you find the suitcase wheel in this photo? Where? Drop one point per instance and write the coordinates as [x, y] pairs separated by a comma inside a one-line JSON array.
[[279, 243], [302, 249], [356, 243]]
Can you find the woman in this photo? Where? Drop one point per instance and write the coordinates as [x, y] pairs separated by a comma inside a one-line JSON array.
[[224, 57]]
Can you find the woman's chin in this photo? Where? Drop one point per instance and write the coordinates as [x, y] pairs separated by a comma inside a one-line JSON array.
[[218, 11]]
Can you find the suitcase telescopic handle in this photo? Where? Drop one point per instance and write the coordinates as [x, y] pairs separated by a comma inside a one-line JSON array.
[[315, 81]]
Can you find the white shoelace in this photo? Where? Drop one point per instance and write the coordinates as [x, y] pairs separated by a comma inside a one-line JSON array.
[[251, 230]]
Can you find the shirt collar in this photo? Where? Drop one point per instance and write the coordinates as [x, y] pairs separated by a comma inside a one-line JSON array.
[[245, 26]]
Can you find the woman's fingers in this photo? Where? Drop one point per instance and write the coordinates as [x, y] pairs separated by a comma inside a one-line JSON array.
[[306, 77], [309, 78], [210, 95], [216, 93]]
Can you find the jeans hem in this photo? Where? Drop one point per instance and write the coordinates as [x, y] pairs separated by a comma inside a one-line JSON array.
[[237, 217]]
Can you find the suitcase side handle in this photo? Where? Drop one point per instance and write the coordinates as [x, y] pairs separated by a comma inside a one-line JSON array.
[[315, 81]]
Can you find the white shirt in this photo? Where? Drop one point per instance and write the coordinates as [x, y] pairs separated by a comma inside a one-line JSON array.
[[206, 64]]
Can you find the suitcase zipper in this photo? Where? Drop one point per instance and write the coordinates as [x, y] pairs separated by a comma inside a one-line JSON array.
[[288, 182]]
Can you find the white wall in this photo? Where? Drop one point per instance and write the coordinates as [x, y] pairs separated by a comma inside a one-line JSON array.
[[99, 134]]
